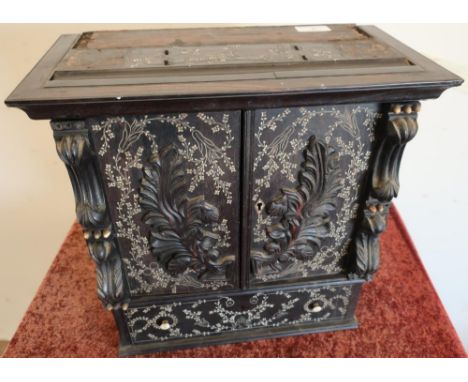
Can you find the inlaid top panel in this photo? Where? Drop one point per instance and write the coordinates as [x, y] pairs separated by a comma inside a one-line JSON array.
[[188, 56], [228, 47], [215, 68], [216, 36]]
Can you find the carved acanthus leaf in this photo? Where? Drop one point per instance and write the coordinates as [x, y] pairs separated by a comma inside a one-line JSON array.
[[180, 226], [302, 216], [109, 277], [366, 243]]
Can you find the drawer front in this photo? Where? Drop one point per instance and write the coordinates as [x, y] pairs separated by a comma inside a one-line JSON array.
[[236, 313], [307, 166], [172, 184]]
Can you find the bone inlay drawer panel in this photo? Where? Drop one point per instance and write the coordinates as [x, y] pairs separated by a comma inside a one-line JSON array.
[[208, 317]]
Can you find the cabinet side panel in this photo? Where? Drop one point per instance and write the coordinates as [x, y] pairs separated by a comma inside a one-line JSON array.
[[172, 182], [308, 165]]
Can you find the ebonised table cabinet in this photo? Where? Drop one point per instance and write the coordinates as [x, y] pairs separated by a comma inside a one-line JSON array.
[[232, 183]]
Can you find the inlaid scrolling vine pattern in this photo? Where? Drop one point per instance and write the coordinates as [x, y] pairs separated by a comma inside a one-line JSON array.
[[305, 229], [208, 317], [126, 143]]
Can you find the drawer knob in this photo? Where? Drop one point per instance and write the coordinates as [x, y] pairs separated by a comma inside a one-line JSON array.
[[316, 308], [313, 307], [164, 325]]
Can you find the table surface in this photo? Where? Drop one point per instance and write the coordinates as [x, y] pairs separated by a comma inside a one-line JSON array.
[[399, 312]]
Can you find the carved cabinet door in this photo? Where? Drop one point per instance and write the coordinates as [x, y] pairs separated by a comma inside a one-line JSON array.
[[172, 185], [307, 167]]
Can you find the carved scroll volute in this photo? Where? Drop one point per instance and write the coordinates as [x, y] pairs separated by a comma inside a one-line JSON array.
[[74, 148], [400, 128]]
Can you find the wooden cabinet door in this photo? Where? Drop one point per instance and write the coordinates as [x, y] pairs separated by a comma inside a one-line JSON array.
[[172, 184], [307, 167]]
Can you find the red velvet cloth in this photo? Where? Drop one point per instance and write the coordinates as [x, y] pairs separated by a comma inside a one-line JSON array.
[[400, 314]]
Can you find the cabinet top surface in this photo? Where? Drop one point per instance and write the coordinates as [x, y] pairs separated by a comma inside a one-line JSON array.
[[120, 66]]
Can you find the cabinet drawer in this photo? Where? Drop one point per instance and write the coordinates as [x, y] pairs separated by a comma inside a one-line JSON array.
[[240, 313]]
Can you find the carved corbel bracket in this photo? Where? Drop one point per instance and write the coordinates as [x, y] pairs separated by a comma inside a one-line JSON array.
[[400, 128], [74, 148]]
